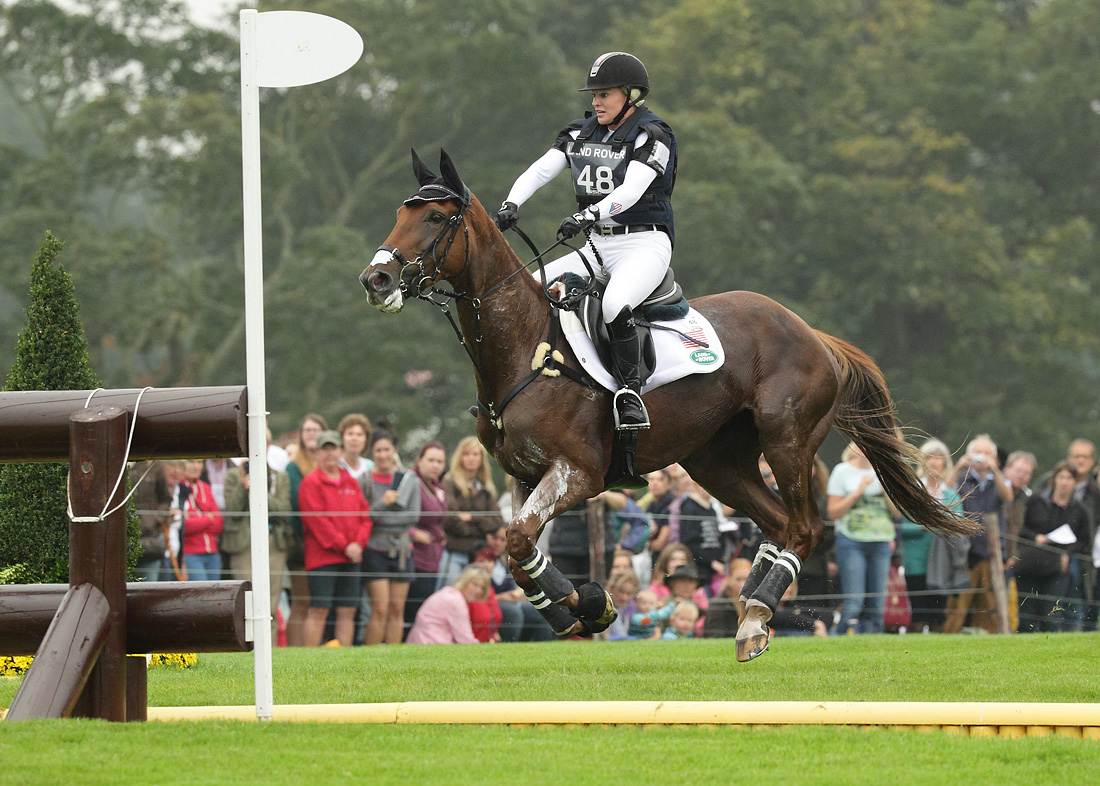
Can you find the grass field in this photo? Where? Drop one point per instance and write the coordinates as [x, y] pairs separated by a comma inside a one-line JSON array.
[[1043, 668]]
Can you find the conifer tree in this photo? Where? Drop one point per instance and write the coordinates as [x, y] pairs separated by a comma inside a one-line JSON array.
[[51, 354]]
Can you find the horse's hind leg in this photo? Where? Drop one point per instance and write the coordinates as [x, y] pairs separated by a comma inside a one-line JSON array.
[[792, 462], [569, 611], [729, 468]]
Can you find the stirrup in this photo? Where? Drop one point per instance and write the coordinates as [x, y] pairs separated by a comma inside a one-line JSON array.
[[619, 425]]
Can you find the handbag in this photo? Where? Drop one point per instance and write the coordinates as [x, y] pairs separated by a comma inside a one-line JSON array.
[[898, 612]]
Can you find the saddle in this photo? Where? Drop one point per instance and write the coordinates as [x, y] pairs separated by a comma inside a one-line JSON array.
[[664, 304], [585, 297]]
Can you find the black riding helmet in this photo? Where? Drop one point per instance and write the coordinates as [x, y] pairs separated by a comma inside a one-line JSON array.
[[618, 69]]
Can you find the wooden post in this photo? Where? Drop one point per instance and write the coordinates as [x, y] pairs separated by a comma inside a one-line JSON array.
[[97, 550], [97, 570], [594, 513], [81, 667], [161, 616], [66, 658], [594, 516], [172, 422], [137, 688], [997, 571]]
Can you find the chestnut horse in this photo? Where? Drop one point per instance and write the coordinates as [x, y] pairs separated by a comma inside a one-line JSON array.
[[781, 389]]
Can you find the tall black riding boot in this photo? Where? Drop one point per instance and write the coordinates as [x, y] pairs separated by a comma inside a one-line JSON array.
[[626, 353]]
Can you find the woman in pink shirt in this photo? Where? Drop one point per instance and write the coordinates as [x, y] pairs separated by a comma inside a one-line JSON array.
[[445, 616], [202, 524]]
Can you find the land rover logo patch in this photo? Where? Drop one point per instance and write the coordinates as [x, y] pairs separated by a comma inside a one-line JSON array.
[[704, 357]]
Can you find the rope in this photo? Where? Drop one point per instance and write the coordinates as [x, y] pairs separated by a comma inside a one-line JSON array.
[[122, 473]]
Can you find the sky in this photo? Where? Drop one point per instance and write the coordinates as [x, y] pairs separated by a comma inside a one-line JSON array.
[[214, 13]]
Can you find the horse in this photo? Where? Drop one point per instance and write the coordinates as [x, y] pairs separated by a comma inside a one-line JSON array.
[[782, 387]]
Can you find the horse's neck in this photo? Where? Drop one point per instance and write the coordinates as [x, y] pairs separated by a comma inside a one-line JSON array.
[[503, 330]]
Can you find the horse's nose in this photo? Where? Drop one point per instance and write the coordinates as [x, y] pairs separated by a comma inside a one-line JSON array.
[[377, 281]]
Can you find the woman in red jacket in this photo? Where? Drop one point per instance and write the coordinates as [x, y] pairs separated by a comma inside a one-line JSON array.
[[202, 524], [336, 528]]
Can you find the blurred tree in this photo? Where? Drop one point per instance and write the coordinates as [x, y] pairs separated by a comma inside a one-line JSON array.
[[51, 355], [865, 193], [915, 176]]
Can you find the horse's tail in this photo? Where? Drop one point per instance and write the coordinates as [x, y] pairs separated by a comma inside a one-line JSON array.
[[866, 415]]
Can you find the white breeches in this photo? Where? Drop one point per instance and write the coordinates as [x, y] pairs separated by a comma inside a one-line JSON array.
[[633, 266]]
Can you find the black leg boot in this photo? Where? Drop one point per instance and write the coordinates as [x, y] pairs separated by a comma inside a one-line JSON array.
[[626, 351]]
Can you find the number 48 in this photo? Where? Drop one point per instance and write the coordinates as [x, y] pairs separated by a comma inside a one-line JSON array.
[[602, 183]]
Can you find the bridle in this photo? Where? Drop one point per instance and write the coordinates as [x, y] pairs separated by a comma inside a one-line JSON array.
[[414, 281]]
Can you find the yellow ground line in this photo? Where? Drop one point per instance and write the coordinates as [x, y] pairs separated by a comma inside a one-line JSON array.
[[976, 718]]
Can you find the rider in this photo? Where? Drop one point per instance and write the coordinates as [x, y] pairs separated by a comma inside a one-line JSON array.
[[623, 162]]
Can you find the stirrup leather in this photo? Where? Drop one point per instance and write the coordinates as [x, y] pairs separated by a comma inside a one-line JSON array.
[[619, 426]]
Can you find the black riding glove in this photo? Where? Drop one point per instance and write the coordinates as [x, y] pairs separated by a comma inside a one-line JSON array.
[[507, 216], [575, 224]]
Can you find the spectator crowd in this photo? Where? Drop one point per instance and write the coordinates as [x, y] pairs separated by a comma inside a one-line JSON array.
[[364, 549]]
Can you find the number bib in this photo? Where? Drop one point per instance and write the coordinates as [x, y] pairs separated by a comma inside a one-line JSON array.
[[597, 169]]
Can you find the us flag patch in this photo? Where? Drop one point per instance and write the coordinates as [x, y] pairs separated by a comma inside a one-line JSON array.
[[696, 337], [615, 208]]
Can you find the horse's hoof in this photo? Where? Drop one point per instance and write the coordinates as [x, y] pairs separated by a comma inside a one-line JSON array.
[[576, 629], [594, 605], [589, 629], [752, 643]]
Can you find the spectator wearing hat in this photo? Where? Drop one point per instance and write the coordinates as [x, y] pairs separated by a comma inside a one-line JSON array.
[[336, 528], [671, 555], [684, 585]]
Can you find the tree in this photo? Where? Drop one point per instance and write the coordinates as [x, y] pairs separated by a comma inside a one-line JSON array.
[[891, 171], [51, 355], [911, 175]]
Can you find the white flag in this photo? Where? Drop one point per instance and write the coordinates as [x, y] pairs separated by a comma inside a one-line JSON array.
[[299, 48]]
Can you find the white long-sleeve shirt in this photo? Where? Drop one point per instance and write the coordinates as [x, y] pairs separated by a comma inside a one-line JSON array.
[[638, 178]]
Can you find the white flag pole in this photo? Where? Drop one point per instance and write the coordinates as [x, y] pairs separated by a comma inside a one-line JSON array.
[[254, 353], [278, 49]]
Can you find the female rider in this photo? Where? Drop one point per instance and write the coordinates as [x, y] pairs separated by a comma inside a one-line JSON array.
[[623, 162]]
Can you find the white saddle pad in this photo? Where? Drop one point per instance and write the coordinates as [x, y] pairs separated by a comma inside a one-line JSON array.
[[677, 357]]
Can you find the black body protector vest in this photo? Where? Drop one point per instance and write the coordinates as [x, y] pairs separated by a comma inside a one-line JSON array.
[[598, 167]]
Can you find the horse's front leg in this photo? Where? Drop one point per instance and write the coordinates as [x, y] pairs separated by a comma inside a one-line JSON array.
[[569, 610]]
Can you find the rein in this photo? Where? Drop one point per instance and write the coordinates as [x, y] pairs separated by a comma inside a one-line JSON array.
[[414, 282]]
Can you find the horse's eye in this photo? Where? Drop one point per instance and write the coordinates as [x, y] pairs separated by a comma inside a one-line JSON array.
[[435, 217]]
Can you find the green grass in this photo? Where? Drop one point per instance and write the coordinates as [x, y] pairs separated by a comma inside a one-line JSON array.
[[1043, 668]]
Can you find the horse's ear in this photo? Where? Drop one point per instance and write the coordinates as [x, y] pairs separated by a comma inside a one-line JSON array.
[[424, 176], [450, 174]]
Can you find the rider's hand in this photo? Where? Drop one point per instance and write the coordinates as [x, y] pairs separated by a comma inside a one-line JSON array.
[[507, 216], [575, 224]]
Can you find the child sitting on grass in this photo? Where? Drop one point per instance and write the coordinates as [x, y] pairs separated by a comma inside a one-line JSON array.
[[681, 623], [646, 616]]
